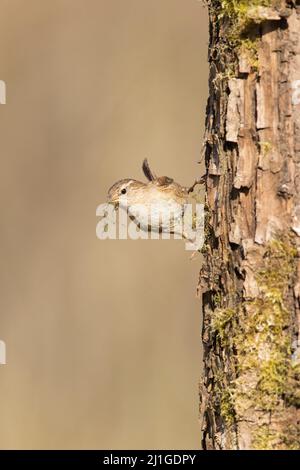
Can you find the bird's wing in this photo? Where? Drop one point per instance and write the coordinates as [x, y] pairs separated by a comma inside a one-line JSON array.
[[163, 181], [147, 172]]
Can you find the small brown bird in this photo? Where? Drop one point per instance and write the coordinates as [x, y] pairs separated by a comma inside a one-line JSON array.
[[157, 205]]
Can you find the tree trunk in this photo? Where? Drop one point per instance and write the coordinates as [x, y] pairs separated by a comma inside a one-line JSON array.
[[250, 280]]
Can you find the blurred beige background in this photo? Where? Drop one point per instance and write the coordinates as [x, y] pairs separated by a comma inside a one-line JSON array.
[[103, 337]]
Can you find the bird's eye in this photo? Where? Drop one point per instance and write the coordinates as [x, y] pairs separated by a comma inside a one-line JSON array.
[[123, 191]]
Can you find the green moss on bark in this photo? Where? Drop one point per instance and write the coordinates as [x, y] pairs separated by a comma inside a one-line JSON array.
[[267, 377], [240, 20]]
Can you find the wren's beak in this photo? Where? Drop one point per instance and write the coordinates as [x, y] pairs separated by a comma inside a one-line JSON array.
[[114, 201]]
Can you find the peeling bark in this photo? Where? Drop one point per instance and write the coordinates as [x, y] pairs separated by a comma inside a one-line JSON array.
[[250, 280]]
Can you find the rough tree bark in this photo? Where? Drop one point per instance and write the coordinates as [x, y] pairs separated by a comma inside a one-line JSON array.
[[250, 280]]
